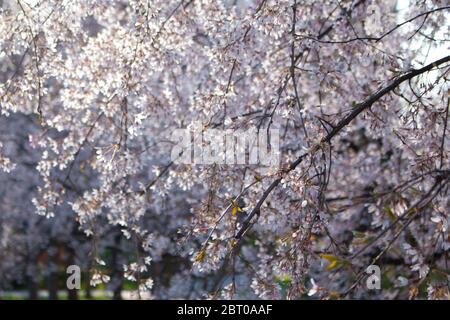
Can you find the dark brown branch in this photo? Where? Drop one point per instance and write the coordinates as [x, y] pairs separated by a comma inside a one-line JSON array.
[[379, 38], [445, 130], [413, 212], [359, 108]]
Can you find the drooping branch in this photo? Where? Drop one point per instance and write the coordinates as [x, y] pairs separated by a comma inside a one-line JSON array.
[[412, 212], [381, 37], [358, 109]]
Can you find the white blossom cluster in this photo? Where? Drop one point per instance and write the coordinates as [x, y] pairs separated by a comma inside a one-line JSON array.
[[91, 91]]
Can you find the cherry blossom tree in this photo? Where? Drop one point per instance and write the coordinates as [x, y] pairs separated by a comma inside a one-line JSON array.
[[91, 92]]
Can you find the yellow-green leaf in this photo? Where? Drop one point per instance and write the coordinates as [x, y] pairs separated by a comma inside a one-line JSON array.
[[329, 257], [332, 265], [391, 214], [359, 235], [201, 256], [236, 208], [335, 262]]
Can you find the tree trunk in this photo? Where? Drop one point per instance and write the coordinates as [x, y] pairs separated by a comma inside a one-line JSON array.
[[87, 290], [32, 288], [52, 278], [32, 277], [116, 274]]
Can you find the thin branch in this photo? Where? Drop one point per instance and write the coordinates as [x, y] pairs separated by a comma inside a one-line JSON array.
[[379, 38], [359, 108], [445, 130]]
